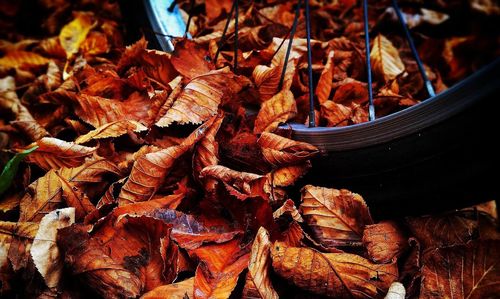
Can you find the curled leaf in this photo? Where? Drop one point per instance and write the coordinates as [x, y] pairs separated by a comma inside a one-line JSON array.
[[338, 275], [324, 86], [113, 129], [258, 283], [201, 97], [279, 151], [219, 269], [336, 217], [53, 153], [242, 185], [149, 171], [275, 111]]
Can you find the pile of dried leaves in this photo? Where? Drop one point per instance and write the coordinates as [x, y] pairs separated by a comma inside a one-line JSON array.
[[145, 174]]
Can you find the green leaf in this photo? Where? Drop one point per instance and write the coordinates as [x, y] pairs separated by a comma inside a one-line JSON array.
[[10, 169]]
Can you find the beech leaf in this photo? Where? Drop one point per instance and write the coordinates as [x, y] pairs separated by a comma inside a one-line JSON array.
[[336, 217], [280, 151], [275, 111], [202, 96], [385, 60], [44, 250], [178, 290], [462, 271], [53, 153], [113, 129], [74, 33], [338, 275], [258, 283], [384, 241]]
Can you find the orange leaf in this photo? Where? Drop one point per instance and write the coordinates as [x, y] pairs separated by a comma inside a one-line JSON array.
[[219, 269], [275, 111], [201, 97], [384, 241], [324, 86], [123, 264], [96, 43], [242, 185], [45, 194], [464, 271], [18, 59], [288, 175], [53, 153], [280, 151], [98, 111], [206, 152], [113, 129], [336, 217], [214, 8], [336, 115], [258, 283], [15, 243], [190, 59], [288, 208], [338, 275], [178, 290], [150, 170]]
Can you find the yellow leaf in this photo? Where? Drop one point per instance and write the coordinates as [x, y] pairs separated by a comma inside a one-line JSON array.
[[386, 63], [74, 33], [17, 59]]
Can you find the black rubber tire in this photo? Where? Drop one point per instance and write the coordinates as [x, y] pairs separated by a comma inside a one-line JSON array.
[[439, 155]]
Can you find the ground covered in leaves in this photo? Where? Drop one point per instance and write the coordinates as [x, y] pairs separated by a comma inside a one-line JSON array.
[[146, 174]]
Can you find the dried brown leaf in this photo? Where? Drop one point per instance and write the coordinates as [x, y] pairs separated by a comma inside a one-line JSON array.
[[463, 271], [242, 185], [53, 153], [219, 269], [190, 59], [24, 120], [324, 86], [124, 263], [113, 129], [178, 290], [201, 97], [281, 151], [45, 194], [150, 170], [278, 109], [336, 217], [337, 275], [258, 283], [15, 243], [444, 230], [384, 241]]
